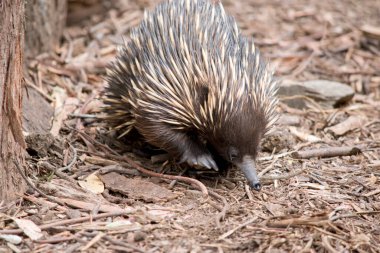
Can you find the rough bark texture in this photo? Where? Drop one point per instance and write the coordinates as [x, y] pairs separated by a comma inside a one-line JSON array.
[[45, 20], [12, 143]]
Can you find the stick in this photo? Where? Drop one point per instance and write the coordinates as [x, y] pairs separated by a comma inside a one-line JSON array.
[[27, 180], [327, 152], [283, 176], [69, 221], [188, 180], [130, 162], [228, 233]]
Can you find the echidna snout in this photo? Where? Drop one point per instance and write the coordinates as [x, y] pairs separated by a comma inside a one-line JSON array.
[[248, 167], [237, 141], [241, 154]]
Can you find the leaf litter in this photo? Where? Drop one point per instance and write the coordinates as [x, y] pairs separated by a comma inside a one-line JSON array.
[[311, 201]]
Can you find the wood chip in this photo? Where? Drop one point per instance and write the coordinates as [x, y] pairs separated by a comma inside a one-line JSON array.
[[351, 123]]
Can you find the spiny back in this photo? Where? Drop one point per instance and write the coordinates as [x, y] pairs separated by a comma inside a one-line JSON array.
[[187, 65]]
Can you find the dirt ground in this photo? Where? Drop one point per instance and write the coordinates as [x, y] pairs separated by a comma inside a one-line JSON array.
[[329, 204]]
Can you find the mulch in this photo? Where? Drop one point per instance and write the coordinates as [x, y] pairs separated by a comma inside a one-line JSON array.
[[90, 192]]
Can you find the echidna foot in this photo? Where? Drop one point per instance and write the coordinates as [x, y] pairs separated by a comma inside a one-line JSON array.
[[203, 160]]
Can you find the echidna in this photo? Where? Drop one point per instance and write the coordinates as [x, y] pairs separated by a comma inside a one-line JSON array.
[[190, 83]]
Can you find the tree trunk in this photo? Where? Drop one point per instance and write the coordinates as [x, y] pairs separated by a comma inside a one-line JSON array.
[[12, 143], [45, 20]]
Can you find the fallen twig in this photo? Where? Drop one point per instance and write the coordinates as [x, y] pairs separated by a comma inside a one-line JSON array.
[[248, 191], [46, 165], [172, 183], [188, 180], [298, 147], [299, 221], [327, 152], [118, 169], [91, 206], [43, 202], [69, 221], [73, 161], [334, 218], [268, 168], [94, 240], [225, 208], [83, 109], [56, 239], [284, 176], [30, 183], [29, 83], [126, 245], [130, 162], [371, 193], [326, 244], [230, 232]]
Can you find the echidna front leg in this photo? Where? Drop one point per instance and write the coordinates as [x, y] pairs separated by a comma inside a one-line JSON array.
[[195, 156], [188, 150], [179, 144]]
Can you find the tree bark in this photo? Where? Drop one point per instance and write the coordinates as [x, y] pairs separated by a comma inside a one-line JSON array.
[[12, 144], [45, 21]]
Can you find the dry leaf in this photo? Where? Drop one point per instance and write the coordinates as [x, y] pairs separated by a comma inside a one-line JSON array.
[[29, 228], [93, 184]]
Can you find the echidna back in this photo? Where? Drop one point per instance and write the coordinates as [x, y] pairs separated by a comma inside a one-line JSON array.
[[186, 65]]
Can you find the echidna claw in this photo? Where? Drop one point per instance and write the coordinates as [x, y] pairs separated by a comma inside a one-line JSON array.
[[204, 160], [213, 164]]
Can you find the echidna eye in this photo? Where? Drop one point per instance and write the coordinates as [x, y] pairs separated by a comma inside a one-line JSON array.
[[233, 153]]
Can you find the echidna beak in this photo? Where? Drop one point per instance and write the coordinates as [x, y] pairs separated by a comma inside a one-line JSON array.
[[248, 167]]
